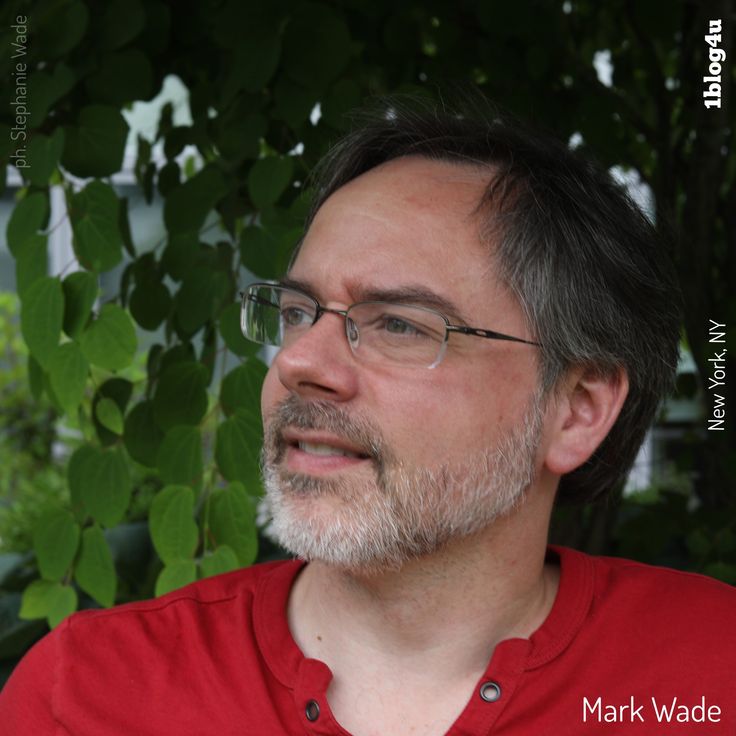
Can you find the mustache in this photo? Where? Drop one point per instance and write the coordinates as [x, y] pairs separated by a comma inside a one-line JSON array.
[[321, 415]]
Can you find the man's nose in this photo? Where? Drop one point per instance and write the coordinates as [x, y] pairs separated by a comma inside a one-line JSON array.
[[320, 364]]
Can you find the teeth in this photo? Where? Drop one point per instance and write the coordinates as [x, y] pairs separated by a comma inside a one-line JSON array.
[[320, 449]]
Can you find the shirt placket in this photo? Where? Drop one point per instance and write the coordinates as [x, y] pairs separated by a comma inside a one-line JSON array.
[[310, 699], [494, 690]]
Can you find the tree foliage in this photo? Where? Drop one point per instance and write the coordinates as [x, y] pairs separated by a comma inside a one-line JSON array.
[[177, 443]]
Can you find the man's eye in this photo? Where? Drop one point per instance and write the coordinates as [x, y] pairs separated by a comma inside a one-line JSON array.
[[397, 326], [294, 316]]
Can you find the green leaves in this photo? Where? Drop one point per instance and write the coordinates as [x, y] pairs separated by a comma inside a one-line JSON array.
[[181, 395], [47, 88], [266, 253], [187, 205], [315, 26], [35, 377], [28, 216], [122, 21], [94, 216], [242, 177], [109, 415], [232, 522], [232, 334], [41, 318], [95, 147], [30, 262], [44, 153], [68, 370], [150, 304], [241, 388], [255, 62], [95, 570], [181, 255], [142, 435], [180, 456], [240, 132], [239, 438], [199, 297], [231, 517], [173, 531], [222, 560], [122, 77], [119, 390], [55, 542], [175, 536], [52, 601], [99, 481], [237, 449], [110, 341], [80, 292], [268, 178], [176, 575], [62, 27], [343, 97]]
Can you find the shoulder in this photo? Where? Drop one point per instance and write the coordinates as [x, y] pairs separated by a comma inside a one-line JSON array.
[[651, 631], [110, 643], [658, 598], [211, 599], [630, 577], [26, 699], [192, 643]]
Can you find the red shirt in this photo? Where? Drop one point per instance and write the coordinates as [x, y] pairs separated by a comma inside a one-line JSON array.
[[624, 645]]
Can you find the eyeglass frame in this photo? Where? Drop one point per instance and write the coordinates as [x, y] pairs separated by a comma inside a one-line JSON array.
[[320, 310]]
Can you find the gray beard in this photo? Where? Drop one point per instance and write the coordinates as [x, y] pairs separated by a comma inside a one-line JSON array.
[[403, 512]]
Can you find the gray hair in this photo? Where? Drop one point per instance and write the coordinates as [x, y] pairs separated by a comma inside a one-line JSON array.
[[591, 273]]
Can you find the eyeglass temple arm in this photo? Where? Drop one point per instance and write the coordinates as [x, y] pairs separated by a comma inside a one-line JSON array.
[[490, 334]]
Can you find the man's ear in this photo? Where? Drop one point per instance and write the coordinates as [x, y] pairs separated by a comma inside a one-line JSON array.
[[584, 411]]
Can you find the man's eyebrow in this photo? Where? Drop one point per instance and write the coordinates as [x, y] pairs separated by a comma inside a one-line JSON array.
[[304, 286], [414, 294]]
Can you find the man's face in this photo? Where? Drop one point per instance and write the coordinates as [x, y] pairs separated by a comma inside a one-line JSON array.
[[432, 453]]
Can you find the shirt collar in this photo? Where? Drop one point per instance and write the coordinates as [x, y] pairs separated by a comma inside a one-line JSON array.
[[571, 606]]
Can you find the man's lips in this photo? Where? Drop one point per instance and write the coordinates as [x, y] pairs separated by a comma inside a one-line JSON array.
[[320, 442], [316, 451]]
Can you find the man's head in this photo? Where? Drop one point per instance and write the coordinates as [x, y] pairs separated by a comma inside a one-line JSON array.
[[509, 232]]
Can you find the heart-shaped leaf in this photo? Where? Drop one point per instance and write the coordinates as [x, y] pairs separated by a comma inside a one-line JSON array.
[[110, 341], [99, 480], [171, 522]]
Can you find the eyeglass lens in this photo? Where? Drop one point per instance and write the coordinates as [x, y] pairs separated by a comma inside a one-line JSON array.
[[376, 331]]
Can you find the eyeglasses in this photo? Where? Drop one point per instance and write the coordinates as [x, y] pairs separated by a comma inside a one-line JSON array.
[[382, 332]]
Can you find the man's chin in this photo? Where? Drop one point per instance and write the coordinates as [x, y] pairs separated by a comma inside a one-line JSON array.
[[327, 530], [323, 526]]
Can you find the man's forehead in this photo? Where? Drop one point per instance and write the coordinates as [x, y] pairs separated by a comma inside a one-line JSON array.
[[411, 223], [423, 182], [413, 202]]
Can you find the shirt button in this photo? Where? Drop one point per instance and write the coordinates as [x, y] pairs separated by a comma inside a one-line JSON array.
[[490, 691], [312, 710]]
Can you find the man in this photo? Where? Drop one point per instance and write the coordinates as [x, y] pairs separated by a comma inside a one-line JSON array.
[[476, 322]]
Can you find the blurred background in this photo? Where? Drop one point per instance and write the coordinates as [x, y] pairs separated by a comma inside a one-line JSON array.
[[156, 158]]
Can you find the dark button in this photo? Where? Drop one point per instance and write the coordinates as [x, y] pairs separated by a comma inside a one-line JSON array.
[[312, 710], [490, 691]]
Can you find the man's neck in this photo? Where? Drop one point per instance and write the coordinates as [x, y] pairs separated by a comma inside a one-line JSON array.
[[441, 615]]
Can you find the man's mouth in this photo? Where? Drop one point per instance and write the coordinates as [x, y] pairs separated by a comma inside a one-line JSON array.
[[314, 448], [315, 452]]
